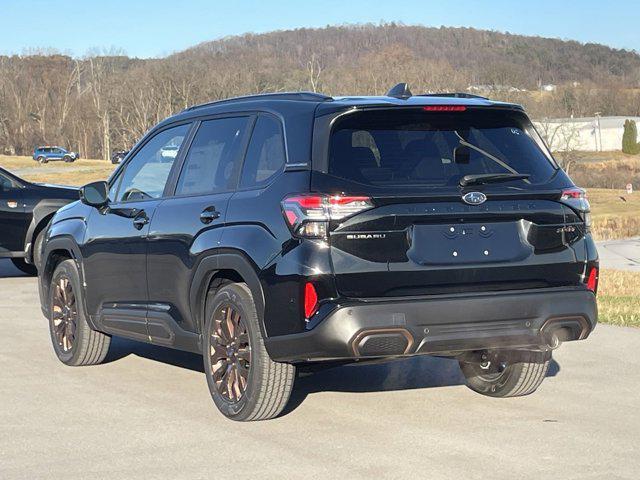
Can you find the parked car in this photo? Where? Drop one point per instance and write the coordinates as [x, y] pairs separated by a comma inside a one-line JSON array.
[[118, 155], [25, 210], [51, 154], [295, 228]]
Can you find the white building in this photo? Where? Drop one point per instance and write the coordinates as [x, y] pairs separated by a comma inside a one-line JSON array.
[[584, 134]]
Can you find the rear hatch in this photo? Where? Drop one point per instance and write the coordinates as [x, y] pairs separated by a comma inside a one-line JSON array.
[[422, 232]]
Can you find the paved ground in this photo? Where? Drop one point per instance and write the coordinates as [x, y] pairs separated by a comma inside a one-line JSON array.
[[620, 254], [147, 414]]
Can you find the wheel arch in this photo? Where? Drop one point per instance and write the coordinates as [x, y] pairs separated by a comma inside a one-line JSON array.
[[218, 269], [43, 212], [56, 251]]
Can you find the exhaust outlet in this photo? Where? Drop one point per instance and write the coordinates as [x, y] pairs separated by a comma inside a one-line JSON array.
[[553, 341], [558, 330]]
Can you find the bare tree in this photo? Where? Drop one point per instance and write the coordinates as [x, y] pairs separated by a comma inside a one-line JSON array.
[[564, 138]]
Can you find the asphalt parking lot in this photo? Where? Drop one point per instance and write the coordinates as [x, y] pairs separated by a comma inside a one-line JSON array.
[[146, 413]]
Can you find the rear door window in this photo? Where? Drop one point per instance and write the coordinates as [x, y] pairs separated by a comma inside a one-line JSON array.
[[265, 156], [413, 147], [212, 163]]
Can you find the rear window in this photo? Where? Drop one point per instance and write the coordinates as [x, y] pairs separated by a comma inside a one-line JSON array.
[[412, 147]]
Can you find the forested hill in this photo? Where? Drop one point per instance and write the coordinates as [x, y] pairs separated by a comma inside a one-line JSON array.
[[97, 104], [471, 56]]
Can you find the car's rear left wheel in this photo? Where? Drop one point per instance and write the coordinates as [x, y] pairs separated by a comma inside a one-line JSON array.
[[244, 382], [74, 341]]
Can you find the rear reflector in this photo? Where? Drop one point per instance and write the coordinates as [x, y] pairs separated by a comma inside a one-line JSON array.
[[310, 300], [592, 280], [444, 108]]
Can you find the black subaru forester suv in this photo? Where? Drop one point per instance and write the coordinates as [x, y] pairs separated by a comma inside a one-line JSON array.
[[295, 228]]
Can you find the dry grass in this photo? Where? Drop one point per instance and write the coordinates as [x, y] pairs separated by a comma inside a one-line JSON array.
[[619, 298], [615, 213], [77, 173], [611, 170]]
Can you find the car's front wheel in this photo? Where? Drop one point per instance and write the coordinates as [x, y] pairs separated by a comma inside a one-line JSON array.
[[37, 248], [244, 382], [69, 159], [74, 342], [507, 374]]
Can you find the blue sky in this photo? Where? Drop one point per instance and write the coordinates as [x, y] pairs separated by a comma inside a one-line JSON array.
[[151, 28]]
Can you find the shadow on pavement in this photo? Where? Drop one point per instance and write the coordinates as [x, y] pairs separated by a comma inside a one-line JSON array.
[[121, 347], [406, 374], [7, 270]]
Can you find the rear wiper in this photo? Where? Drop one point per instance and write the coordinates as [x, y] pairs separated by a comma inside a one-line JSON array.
[[491, 178]]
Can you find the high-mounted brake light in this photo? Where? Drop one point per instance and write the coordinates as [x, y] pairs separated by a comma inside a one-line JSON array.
[[592, 280], [444, 108], [308, 215], [310, 300]]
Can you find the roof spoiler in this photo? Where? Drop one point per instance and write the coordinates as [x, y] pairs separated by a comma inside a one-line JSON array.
[[453, 95]]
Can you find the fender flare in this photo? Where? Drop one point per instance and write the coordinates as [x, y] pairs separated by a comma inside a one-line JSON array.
[[42, 214], [68, 244], [206, 270]]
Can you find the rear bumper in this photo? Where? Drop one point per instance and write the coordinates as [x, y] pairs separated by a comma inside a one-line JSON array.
[[443, 325]]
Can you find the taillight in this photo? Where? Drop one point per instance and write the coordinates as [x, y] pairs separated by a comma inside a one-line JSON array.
[[444, 108], [592, 280], [308, 215], [310, 300], [576, 198]]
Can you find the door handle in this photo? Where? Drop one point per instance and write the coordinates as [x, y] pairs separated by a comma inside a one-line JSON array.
[[209, 214], [140, 220]]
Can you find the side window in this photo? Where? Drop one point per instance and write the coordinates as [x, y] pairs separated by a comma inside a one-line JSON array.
[[265, 155], [147, 172], [212, 163], [5, 183]]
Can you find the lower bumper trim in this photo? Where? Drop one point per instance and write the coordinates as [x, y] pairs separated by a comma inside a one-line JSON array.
[[537, 319]]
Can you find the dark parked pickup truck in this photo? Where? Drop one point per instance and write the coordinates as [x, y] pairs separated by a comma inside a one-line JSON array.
[[25, 210]]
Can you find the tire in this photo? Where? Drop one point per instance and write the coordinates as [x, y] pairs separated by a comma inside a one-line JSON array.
[[522, 377], [42, 160], [68, 159], [268, 384], [74, 342], [23, 266], [37, 248]]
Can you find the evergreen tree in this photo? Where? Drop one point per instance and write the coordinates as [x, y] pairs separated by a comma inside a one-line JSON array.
[[630, 138]]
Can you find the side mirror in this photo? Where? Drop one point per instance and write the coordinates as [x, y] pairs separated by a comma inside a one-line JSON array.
[[95, 194]]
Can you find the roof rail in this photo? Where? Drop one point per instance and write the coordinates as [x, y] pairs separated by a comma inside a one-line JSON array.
[[453, 95], [300, 96]]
